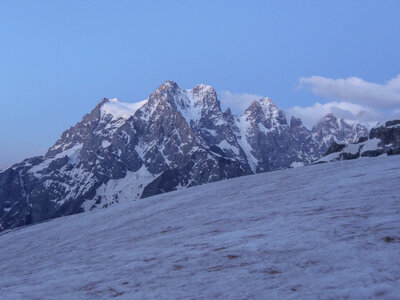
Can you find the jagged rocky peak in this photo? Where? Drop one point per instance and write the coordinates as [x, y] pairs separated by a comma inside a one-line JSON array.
[[330, 117], [165, 93], [265, 112], [167, 97], [168, 85], [264, 104], [267, 105], [80, 132], [389, 133], [201, 90], [295, 122], [329, 122], [228, 112], [192, 104], [300, 132], [204, 90], [206, 96], [331, 129], [393, 123], [189, 102]]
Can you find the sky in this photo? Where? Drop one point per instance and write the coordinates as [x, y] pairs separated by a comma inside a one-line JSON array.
[[58, 59]]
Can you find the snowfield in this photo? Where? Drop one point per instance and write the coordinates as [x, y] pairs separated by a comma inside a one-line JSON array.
[[326, 231]]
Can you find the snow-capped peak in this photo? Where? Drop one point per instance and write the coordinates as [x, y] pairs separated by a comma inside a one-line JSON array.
[[332, 129], [268, 107], [264, 111], [266, 101], [118, 109], [334, 121], [263, 105], [168, 85], [203, 89]]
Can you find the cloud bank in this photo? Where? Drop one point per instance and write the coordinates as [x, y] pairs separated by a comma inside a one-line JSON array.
[[310, 115], [355, 90]]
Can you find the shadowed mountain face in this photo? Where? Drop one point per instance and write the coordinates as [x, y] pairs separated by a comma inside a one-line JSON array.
[[176, 138]]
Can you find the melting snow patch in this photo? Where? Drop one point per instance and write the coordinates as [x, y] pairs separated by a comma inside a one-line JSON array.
[[296, 164], [225, 145], [265, 130], [329, 157], [371, 145], [105, 144], [351, 148], [242, 125]]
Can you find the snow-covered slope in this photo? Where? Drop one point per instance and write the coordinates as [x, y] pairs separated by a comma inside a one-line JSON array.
[[328, 231]]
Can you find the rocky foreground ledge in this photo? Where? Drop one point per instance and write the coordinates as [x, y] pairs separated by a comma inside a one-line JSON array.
[[382, 140]]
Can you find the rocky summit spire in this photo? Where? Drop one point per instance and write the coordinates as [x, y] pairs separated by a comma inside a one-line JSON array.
[[168, 85], [295, 123]]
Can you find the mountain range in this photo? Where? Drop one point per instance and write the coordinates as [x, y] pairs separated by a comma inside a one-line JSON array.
[[174, 139]]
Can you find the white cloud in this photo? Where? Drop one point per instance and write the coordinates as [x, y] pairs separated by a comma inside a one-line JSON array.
[[237, 102], [310, 115], [356, 90]]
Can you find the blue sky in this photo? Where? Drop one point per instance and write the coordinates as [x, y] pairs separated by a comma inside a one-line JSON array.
[[59, 58]]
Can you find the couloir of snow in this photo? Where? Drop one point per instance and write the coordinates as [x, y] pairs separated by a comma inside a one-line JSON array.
[[243, 125], [327, 231], [189, 105]]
